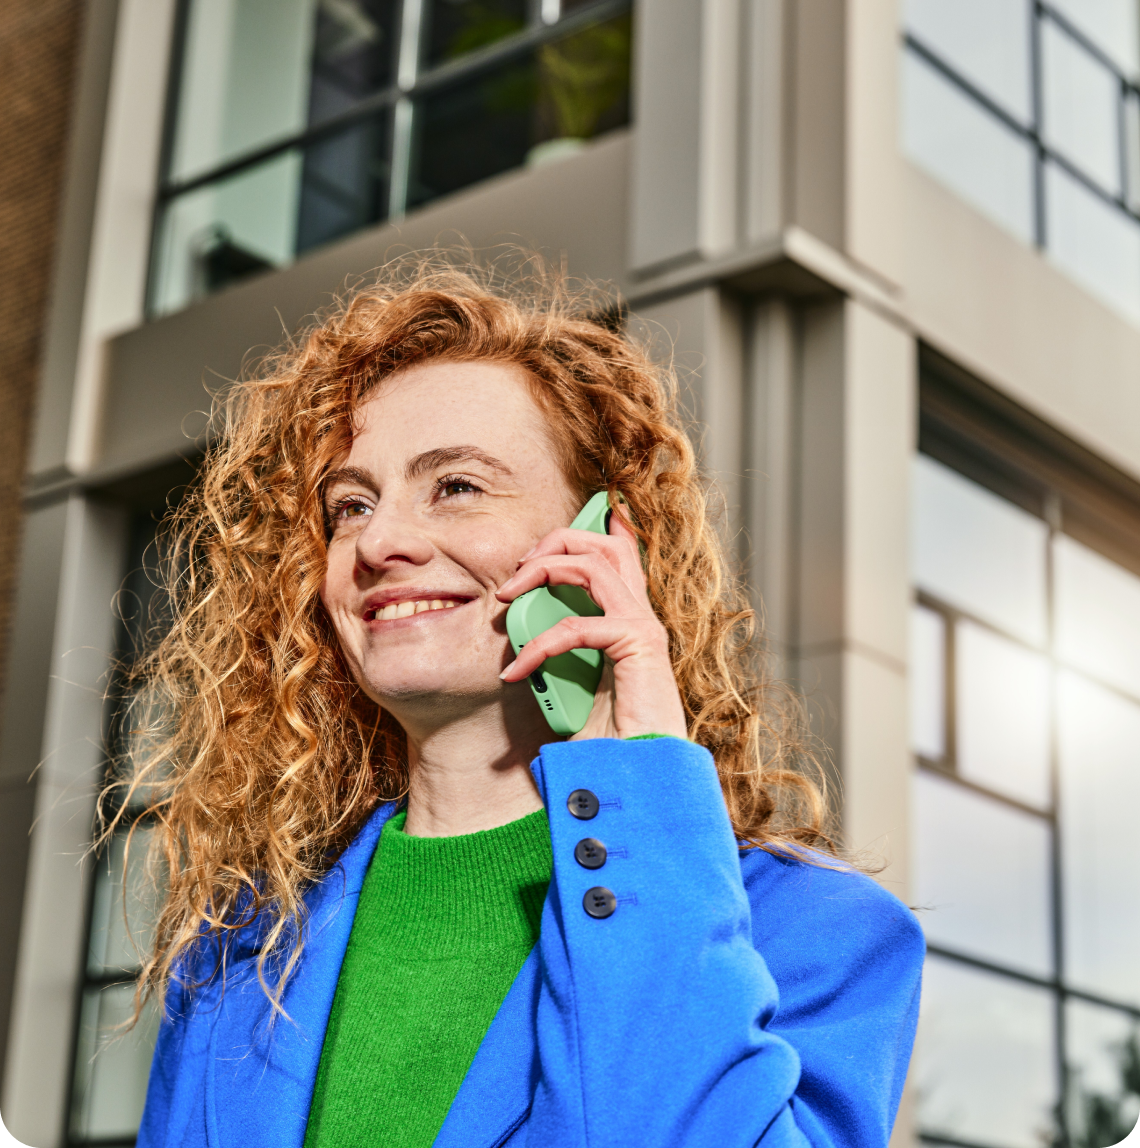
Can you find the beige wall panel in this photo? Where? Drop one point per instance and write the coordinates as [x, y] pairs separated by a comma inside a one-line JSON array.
[[665, 161], [874, 192], [997, 307], [769, 464], [158, 375], [877, 767], [857, 438], [817, 147], [879, 408], [702, 332], [767, 25]]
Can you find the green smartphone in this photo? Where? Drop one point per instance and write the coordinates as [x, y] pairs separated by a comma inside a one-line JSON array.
[[564, 686]]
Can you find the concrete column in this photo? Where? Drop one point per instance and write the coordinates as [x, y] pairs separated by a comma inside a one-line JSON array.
[[769, 452], [60, 657], [703, 334], [686, 96], [857, 403]]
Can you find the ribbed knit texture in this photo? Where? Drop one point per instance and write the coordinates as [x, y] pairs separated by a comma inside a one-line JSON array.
[[442, 928]]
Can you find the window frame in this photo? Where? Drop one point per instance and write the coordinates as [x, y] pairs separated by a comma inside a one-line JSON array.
[[1043, 14], [987, 438], [413, 78]]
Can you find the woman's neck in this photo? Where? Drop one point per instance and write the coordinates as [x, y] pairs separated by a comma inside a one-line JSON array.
[[473, 772]]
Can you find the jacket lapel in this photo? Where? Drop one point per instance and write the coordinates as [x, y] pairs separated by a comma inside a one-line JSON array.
[[260, 1078], [496, 1093]]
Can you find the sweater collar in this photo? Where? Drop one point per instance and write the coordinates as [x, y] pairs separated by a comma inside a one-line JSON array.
[[436, 895]]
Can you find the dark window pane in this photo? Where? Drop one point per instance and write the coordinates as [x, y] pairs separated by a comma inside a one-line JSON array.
[[456, 27], [354, 54], [344, 183], [561, 94]]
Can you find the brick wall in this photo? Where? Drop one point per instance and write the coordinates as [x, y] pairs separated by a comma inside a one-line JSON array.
[[38, 42]]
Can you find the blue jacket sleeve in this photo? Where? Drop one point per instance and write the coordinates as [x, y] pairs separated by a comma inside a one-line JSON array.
[[661, 1024]]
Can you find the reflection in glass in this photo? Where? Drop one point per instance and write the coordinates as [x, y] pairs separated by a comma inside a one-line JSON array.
[[1111, 25], [227, 231], [244, 79], [1102, 1052], [1098, 615], [966, 149], [984, 1068], [344, 183], [1093, 241], [1080, 108], [121, 928], [354, 54], [111, 1065], [562, 94], [982, 875], [1099, 753], [986, 40], [1002, 696], [927, 683], [456, 27], [978, 552]]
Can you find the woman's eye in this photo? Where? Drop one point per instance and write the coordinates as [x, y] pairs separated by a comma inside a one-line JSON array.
[[456, 486], [345, 511]]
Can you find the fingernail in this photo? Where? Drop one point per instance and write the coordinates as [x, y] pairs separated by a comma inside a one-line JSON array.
[[508, 669]]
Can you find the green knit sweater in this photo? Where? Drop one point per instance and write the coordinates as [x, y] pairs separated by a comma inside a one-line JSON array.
[[441, 930]]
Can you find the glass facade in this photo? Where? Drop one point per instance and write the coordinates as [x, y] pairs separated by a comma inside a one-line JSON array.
[[111, 1064], [1026, 729], [1031, 112], [295, 122]]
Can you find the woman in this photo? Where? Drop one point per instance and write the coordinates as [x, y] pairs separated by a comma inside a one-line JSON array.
[[400, 910]]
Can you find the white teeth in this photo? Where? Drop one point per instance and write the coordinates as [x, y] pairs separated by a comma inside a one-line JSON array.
[[413, 606]]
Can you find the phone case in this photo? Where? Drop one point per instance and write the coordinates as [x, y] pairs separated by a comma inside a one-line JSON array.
[[564, 686]]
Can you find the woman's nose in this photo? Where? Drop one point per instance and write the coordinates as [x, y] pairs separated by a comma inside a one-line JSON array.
[[392, 538]]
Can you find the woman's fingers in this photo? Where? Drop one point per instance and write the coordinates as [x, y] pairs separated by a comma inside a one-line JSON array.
[[590, 571], [618, 638], [619, 549]]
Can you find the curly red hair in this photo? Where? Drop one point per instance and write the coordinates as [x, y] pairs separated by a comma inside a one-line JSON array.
[[256, 751]]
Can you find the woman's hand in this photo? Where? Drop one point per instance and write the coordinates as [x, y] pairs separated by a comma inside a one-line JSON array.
[[638, 693]]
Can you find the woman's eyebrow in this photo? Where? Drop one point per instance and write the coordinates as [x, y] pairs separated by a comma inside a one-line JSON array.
[[349, 474], [449, 455]]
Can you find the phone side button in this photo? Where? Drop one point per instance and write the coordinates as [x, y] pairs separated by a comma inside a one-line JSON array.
[[538, 682]]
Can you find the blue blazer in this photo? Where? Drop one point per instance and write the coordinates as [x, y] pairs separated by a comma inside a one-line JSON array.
[[732, 999]]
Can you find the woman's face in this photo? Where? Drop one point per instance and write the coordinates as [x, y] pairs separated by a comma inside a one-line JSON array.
[[451, 479]]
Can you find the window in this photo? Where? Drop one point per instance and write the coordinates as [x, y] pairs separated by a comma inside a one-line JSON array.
[[1026, 730], [295, 122], [111, 1068], [1031, 112]]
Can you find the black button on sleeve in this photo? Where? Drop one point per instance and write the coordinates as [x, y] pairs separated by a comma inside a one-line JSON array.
[[582, 804], [590, 853], [599, 902]]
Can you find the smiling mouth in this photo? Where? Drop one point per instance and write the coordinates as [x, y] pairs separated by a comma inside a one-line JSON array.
[[410, 607]]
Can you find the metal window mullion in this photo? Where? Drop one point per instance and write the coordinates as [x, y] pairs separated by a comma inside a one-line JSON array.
[[1053, 516], [407, 73], [1040, 230]]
